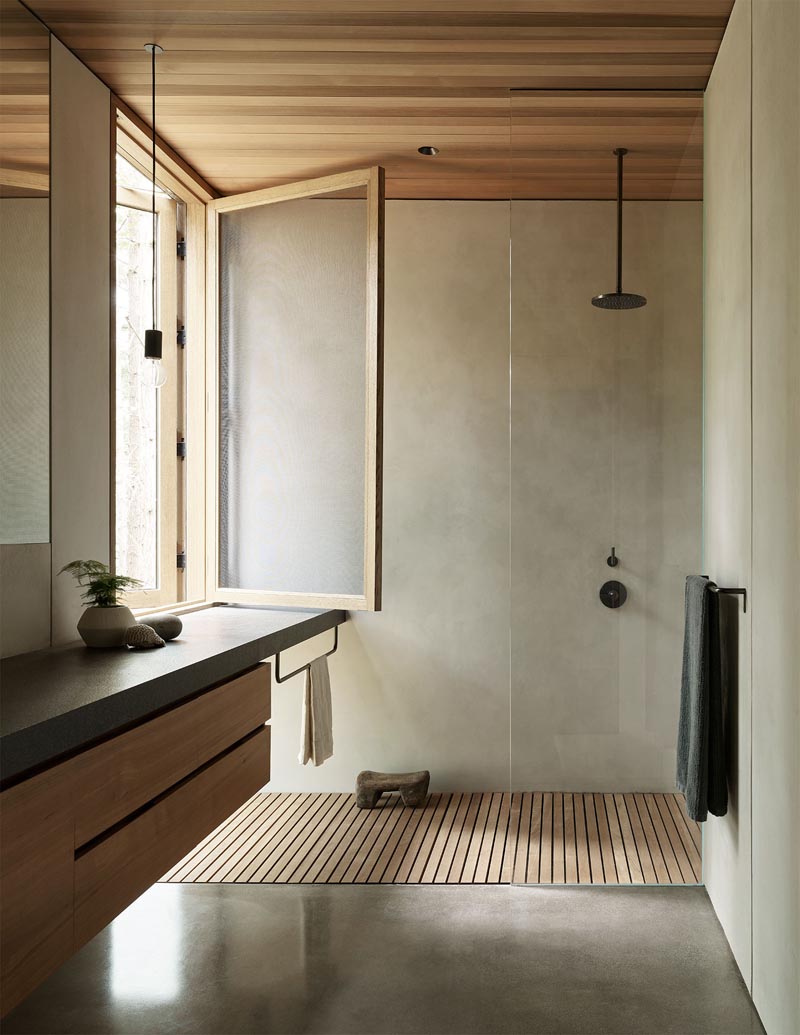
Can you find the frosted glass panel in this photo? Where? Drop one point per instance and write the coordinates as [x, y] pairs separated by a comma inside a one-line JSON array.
[[292, 333], [24, 370], [24, 278]]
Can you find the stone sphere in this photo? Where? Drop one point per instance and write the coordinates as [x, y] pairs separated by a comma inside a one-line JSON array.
[[167, 626]]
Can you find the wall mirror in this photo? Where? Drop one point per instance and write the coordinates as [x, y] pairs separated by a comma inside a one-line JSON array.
[[24, 277]]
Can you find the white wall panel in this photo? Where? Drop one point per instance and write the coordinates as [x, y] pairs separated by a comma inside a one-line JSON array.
[[80, 241], [776, 513], [727, 491]]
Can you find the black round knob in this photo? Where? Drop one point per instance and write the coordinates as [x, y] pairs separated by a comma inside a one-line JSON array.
[[613, 594]]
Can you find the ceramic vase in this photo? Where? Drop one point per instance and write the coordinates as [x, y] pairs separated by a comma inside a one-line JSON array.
[[105, 626]]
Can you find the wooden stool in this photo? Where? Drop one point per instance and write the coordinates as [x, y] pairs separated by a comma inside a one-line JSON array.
[[413, 787]]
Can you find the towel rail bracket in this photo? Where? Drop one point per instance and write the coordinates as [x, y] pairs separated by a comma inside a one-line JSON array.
[[738, 592], [304, 668], [729, 589]]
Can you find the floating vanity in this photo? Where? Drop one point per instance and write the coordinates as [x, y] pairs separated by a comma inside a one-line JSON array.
[[115, 764]]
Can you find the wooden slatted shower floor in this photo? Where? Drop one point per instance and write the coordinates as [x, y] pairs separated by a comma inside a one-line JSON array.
[[489, 838]]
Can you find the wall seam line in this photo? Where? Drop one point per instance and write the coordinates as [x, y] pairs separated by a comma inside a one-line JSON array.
[[752, 516]]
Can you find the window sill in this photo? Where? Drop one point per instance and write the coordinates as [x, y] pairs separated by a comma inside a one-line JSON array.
[[185, 607]]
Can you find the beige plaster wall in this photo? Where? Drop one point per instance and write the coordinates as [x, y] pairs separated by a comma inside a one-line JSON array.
[[606, 450], [426, 683]]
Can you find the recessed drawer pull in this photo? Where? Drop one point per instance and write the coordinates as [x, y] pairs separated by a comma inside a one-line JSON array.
[[120, 866], [114, 780]]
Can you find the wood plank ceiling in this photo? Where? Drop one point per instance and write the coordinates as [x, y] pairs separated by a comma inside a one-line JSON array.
[[24, 103], [260, 92]]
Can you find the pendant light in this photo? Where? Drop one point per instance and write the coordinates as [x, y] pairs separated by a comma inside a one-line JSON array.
[[155, 375], [619, 299]]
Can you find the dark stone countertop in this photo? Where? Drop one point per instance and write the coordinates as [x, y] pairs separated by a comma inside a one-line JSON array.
[[58, 701]]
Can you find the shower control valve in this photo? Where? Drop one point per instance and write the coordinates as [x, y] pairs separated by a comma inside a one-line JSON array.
[[613, 594]]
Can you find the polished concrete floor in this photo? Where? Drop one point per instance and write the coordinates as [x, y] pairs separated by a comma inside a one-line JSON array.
[[197, 960]]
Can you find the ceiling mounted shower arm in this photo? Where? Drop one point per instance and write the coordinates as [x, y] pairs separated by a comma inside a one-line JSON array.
[[619, 299], [619, 152]]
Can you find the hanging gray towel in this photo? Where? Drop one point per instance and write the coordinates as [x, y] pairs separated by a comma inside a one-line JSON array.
[[701, 770]]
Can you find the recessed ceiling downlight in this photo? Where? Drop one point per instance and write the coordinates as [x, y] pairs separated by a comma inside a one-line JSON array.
[[429, 150]]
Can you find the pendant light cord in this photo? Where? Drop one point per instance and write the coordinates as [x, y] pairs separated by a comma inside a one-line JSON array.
[[153, 124]]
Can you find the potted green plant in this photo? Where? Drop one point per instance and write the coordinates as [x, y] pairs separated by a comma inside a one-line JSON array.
[[105, 621]]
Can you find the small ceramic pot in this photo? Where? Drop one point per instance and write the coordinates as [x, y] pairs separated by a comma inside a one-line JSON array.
[[105, 626]]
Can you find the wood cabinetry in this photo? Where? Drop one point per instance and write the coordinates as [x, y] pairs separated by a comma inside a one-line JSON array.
[[118, 777], [83, 839], [36, 863], [110, 874]]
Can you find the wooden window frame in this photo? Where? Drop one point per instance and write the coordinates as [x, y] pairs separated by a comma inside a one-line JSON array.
[[132, 142], [169, 402], [372, 179]]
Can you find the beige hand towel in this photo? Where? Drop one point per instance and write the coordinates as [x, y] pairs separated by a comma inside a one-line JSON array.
[[316, 735]]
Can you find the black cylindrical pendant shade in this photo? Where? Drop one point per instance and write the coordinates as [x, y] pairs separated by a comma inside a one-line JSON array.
[[153, 339], [153, 344]]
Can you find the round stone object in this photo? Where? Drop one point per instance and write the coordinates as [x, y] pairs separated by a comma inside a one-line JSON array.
[[167, 626]]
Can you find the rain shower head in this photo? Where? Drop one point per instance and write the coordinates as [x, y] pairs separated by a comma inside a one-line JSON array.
[[619, 299]]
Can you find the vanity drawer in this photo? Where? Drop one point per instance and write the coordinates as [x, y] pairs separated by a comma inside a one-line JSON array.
[[121, 775], [36, 862], [111, 873]]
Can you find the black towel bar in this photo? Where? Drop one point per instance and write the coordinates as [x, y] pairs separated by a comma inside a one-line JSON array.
[[738, 592], [303, 668]]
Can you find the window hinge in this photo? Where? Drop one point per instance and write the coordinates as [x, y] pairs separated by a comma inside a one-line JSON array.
[[181, 561], [182, 336], [182, 248], [182, 448]]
